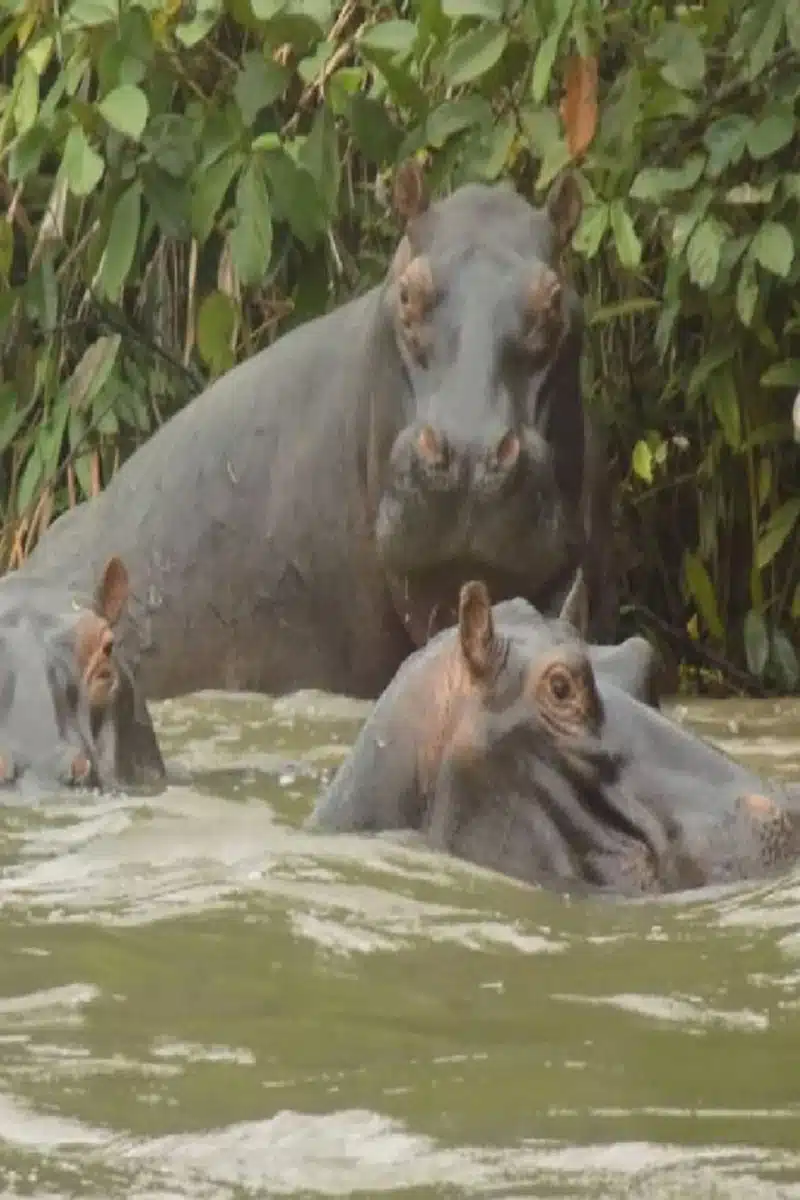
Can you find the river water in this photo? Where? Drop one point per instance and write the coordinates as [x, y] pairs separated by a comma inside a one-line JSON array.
[[198, 1000]]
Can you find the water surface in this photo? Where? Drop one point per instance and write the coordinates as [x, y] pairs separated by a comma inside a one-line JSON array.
[[198, 999]]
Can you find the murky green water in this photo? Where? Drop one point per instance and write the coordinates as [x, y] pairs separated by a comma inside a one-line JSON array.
[[199, 1000]]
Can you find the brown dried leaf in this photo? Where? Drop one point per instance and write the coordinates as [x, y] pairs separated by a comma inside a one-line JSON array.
[[579, 104]]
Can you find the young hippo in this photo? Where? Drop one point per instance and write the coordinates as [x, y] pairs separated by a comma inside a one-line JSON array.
[[69, 711], [510, 742]]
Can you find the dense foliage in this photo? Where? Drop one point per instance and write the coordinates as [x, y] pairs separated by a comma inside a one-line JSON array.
[[180, 182]]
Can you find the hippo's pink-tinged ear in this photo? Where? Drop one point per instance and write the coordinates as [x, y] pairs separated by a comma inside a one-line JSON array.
[[476, 627], [112, 591], [575, 608], [564, 206], [410, 195]]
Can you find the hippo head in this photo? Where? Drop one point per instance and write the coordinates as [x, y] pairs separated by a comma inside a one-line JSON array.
[[68, 714], [482, 454], [557, 773]]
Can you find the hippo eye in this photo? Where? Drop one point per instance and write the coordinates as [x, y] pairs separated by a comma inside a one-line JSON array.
[[403, 293], [565, 696]]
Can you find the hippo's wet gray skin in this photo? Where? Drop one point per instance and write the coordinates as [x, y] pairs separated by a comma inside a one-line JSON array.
[[515, 745], [311, 516], [68, 711]]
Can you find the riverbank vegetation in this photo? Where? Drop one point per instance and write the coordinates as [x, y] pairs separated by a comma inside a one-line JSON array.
[[180, 182]]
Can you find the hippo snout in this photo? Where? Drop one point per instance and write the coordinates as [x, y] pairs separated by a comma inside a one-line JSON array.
[[444, 460]]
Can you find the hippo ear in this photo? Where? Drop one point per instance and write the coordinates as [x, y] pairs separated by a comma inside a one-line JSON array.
[[575, 608], [410, 194], [564, 206], [111, 595], [476, 627]]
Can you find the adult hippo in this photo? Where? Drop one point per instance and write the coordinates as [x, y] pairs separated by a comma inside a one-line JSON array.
[[69, 712], [511, 743], [308, 519]]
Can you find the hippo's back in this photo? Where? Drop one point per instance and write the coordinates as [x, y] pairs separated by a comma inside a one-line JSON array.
[[206, 512]]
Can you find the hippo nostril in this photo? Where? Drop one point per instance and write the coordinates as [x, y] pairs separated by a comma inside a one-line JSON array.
[[80, 768], [506, 452], [432, 448]]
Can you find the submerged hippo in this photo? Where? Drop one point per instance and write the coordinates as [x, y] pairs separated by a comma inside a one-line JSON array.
[[308, 520], [69, 713], [512, 743]]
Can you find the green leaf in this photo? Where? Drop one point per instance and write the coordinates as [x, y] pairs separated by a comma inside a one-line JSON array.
[[792, 15], [120, 248], [31, 481], [747, 292], [453, 116], [655, 183], [171, 142], [389, 37], [376, 135], [216, 323], [83, 167], [681, 52], [472, 55], [756, 643], [785, 659], [782, 522], [486, 153], [726, 142], [26, 153], [769, 135], [591, 231], [295, 197], [13, 415], [543, 67], [92, 371], [725, 403], [708, 365], [319, 154], [624, 308], [701, 589], [211, 186], [489, 10], [205, 14], [703, 252], [259, 83], [265, 10], [642, 461], [764, 485], [773, 247], [126, 108], [26, 105], [6, 247], [769, 31], [783, 374], [86, 14], [629, 248], [251, 236]]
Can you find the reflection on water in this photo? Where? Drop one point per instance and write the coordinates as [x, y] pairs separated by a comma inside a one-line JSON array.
[[200, 1000]]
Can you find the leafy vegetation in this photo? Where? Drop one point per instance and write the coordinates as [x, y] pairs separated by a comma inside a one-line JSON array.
[[180, 182]]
